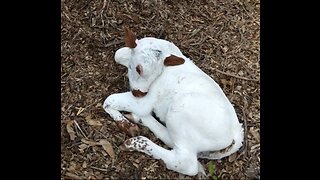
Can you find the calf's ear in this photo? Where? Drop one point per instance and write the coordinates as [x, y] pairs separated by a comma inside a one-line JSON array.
[[123, 55], [129, 38], [173, 60]]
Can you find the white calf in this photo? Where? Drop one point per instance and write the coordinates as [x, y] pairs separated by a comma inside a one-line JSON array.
[[200, 121]]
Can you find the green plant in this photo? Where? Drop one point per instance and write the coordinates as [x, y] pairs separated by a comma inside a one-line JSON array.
[[212, 169]]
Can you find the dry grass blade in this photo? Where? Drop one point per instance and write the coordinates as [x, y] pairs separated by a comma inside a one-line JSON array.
[[233, 75], [113, 43], [76, 123], [90, 143], [80, 110], [100, 169]]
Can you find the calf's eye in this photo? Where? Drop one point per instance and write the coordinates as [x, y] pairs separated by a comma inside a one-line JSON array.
[[139, 69]]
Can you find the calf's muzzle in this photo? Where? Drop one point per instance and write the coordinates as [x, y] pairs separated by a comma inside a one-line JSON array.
[[138, 93]]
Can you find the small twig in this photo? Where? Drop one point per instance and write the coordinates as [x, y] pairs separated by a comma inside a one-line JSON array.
[[216, 15], [75, 122], [93, 103], [254, 19], [244, 148], [72, 144], [161, 32], [113, 43], [80, 110], [101, 134], [181, 176], [104, 5], [77, 34], [100, 169], [88, 2], [233, 75]]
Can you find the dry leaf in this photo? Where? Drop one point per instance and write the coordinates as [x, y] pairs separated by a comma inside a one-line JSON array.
[[232, 157], [90, 143], [135, 164], [96, 148], [226, 83], [82, 147], [256, 135], [72, 166], [70, 130], [74, 176], [225, 49], [238, 88], [92, 122], [104, 153], [240, 73], [107, 147], [84, 164]]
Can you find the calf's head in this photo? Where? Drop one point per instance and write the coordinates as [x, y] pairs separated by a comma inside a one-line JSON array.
[[145, 59]]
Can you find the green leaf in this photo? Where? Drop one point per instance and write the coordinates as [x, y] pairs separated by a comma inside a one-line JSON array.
[[212, 168], [214, 177]]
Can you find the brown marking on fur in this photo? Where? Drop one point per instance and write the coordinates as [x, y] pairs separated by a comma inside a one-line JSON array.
[[129, 38], [138, 93], [173, 61], [128, 128]]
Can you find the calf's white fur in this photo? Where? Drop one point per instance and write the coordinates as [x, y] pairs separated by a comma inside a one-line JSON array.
[[199, 119]]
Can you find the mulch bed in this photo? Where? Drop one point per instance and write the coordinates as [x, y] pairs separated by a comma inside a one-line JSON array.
[[222, 37]]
